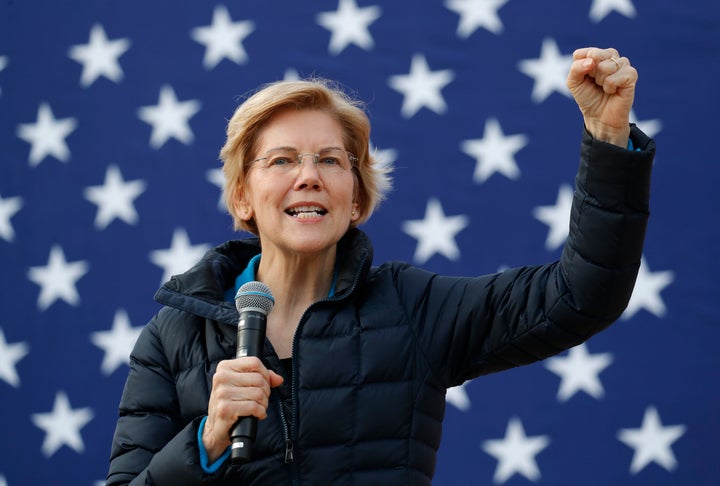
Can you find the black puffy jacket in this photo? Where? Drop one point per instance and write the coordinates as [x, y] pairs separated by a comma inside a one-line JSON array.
[[371, 365]]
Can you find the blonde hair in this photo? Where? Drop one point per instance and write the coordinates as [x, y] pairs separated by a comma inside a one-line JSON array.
[[372, 181]]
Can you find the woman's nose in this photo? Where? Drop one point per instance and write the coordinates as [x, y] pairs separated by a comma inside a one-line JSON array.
[[308, 173]]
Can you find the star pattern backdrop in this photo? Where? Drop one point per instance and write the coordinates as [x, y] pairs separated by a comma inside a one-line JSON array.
[[111, 118]]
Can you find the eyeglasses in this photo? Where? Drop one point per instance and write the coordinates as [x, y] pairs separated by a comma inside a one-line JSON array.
[[328, 161]]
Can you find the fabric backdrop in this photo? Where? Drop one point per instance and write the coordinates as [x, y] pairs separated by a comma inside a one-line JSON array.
[[112, 114]]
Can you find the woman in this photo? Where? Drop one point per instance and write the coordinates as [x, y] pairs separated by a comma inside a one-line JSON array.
[[351, 385]]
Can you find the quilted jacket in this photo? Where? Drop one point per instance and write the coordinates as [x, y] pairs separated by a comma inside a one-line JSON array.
[[371, 365]]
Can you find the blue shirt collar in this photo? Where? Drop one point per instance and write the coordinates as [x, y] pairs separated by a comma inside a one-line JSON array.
[[248, 275]]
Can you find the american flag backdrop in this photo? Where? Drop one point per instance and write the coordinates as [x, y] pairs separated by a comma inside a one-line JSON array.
[[112, 114]]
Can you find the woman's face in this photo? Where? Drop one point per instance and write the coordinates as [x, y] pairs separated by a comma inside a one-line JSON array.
[[305, 209]]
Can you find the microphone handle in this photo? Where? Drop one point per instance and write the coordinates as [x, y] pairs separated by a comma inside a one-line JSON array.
[[250, 342]]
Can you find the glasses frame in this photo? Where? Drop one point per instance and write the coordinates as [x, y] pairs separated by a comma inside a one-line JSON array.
[[316, 158]]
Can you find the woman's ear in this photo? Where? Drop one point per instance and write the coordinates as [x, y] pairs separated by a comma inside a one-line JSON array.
[[243, 209], [355, 212]]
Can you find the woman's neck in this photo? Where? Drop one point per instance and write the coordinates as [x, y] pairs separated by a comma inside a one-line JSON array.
[[295, 283], [297, 280]]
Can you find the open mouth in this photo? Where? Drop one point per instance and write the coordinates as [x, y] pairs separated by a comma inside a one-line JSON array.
[[306, 212]]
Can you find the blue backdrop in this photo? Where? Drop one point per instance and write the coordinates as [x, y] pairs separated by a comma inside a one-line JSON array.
[[112, 114]]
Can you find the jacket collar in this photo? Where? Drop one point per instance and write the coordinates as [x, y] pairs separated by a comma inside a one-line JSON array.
[[201, 289]]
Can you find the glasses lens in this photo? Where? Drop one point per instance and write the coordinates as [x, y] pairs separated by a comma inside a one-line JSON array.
[[327, 161], [333, 160]]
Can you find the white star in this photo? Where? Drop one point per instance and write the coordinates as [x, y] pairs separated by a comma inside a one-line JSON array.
[[223, 38], [579, 372], [115, 198], [458, 397], [436, 233], [117, 343], [477, 13], [650, 127], [217, 178], [421, 88], [494, 152], [47, 135], [549, 71], [62, 425], [651, 442], [385, 158], [600, 8], [10, 354], [349, 25], [557, 217], [516, 452], [646, 294], [3, 63], [291, 74], [8, 207], [384, 162], [169, 118], [180, 257], [57, 280], [99, 56]]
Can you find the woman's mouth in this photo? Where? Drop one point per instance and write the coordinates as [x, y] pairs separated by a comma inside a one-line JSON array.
[[306, 212]]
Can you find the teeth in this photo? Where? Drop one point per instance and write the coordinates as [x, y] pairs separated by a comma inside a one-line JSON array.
[[311, 214], [303, 212], [305, 209]]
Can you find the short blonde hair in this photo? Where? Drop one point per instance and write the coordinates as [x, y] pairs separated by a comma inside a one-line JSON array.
[[372, 181]]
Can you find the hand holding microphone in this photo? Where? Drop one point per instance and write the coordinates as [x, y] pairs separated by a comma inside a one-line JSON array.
[[253, 301], [241, 386]]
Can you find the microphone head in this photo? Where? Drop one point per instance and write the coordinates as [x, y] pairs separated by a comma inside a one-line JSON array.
[[255, 295]]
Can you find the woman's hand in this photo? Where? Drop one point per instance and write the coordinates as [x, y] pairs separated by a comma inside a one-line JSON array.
[[241, 388], [603, 85]]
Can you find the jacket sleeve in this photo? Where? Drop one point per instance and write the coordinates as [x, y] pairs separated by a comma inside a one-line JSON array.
[[473, 326], [152, 445]]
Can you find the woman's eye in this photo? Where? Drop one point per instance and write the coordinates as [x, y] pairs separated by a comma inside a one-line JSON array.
[[280, 161], [329, 161]]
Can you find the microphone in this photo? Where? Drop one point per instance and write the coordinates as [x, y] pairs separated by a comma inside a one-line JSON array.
[[253, 301]]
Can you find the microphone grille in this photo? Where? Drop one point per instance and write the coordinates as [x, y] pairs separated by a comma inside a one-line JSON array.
[[256, 295]]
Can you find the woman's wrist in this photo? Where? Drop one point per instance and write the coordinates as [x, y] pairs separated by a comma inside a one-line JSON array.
[[614, 135], [212, 447]]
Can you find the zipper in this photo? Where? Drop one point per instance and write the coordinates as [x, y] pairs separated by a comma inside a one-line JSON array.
[[290, 431], [293, 382], [289, 456]]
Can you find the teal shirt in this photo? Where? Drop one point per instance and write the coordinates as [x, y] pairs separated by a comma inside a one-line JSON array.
[[247, 275]]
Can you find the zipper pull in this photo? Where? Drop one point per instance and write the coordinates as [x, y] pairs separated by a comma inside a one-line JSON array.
[[289, 457]]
